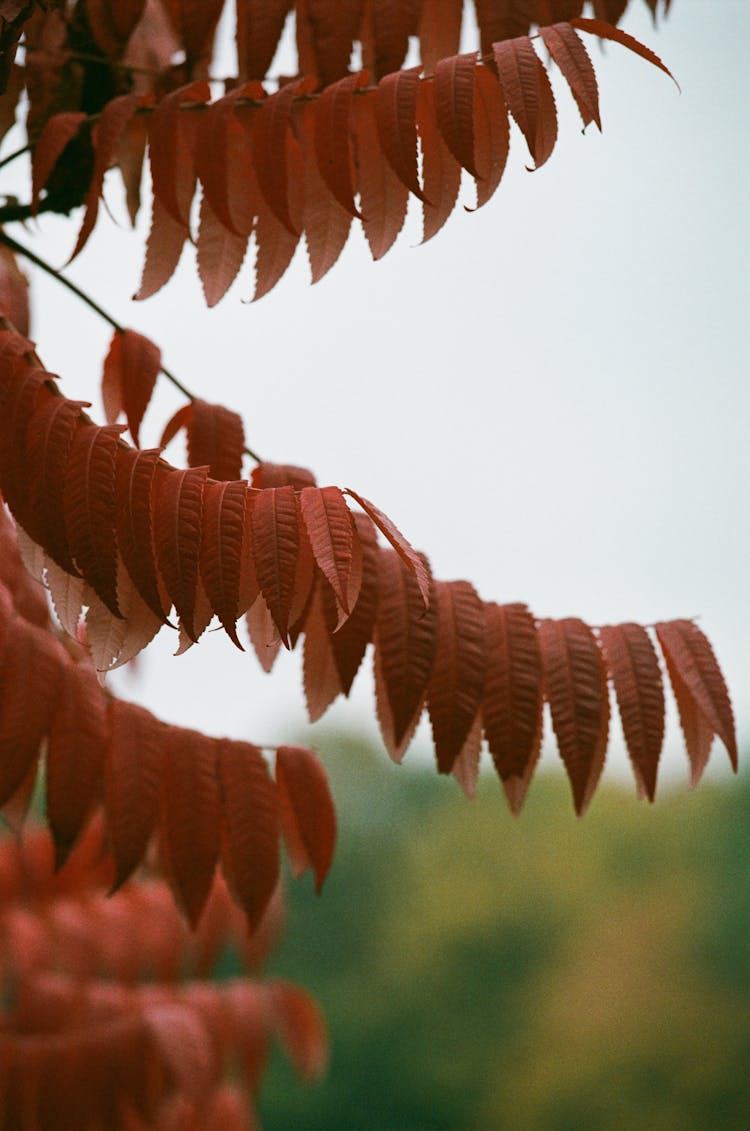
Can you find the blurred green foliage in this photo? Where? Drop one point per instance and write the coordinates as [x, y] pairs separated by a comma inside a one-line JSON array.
[[545, 974]]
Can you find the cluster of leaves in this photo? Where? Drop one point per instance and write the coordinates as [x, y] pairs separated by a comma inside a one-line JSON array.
[[123, 533], [112, 1017], [206, 800], [325, 148]]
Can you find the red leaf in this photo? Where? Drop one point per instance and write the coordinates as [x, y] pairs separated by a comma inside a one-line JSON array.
[[606, 31], [465, 767], [171, 140], [699, 688], [334, 111], [216, 438], [383, 196], [513, 700], [224, 159], [528, 95], [634, 668], [301, 1028], [308, 818], [276, 244], [221, 254], [348, 643], [105, 137], [132, 776], [411, 559], [503, 19], [267, 474], [405, 640], [164, 245], [330, 529], [224, 520], [271, 149], [31, 664], [264, 635], [58, 131], [130, 370], [453, 87], [441, 173], [327, 224], [274, 524], [24, 395], [439, 30], [326, 30], [491, 134], [195, 22], [571, 56], [49, 441], [190, 817], [177, 519], [454, 694], [387, 26], [322, 681], [250, 841], [396, 112], [78, 739], [134, 487], [576, 689], [14, 291], [259, 27], [89, 505]]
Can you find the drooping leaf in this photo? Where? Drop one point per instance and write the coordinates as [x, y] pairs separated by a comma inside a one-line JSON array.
[[607, 31], [166, 239], [49, 439], [308, 819], [130, 371], [221, 254], [383, 195], [225, 507], [571, 56], [14, 291], [321, 678], [132, 777], [512, 701], [396, 113], [173, 127], [250, 827], [224, 158], [334, 110], [190, 817], [58, 131], [386, 29], [177, 523], [275, 529], [135, 475], [528, 94], [259, 27], [700, 690], [349, 642], [330, 529], [503, 19], [439, 30], [264, 635], [271, 149], [491, 134], [576, 689], [413, 561], [441, 173], [634, 667], [405, 641], [453, 86], [454, 694], [326, 222], [89, 506]]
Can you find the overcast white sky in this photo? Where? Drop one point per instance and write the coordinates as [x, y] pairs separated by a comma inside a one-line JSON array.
[[551, 398]]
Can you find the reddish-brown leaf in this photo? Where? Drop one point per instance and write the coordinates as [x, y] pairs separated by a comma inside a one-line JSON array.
[[171, 140], [177, 522], [607, 31], [221, 254], [333, 113], [330, 529], [250, 827], [166, 239], [195, 23], [321, 678], [326, 223], [271, 150], [491, 133], [14, 291], [576, 688], [267, 474], [275, 530], [516, 63], [414, 562], [387, 26], [190, 817], [105, 137], [130, 157], [130, 371], [49, 440], [567, 50], [513, 700], [382, 194], [215, 438], [634, 667], [396, 113], [21, 398], [405, 640], [31, 664], [465, 767], [453, 87], [112, 22], [503, 19], [264, 636], [439, 30], [349, 642], [275, 243], [308, 818], [135, 473], [224, 159], [132, 776], [78, 739], [694, 670], [89, 506], [259, 27], [224, 519], [301, 1028], [546, 126], [58, 131], [454, 694], [326, 30], [441, 173]]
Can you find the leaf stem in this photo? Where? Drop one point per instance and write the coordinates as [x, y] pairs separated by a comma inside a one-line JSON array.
[[32, 257]]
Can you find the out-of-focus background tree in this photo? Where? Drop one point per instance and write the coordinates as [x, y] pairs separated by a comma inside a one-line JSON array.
[[482, 974]]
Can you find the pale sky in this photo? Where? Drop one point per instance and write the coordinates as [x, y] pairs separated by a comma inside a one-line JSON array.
[[550, 399]]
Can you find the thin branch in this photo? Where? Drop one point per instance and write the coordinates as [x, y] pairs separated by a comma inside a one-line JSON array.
[[16, 153], [32, 257]]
